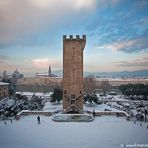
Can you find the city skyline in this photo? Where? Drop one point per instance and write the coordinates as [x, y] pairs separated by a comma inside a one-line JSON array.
[[31, 34]]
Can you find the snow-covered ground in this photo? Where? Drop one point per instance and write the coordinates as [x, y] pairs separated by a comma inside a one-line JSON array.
[[55, 106], [29, 94], [103, 132], [52, 106], [99, 107]]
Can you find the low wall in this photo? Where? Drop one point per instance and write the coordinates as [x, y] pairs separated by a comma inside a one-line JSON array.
[[116, 113], [112, 113], [49, 113], [28, 112]]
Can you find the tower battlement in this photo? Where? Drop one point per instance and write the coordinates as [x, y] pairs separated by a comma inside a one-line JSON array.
[[71, 37]]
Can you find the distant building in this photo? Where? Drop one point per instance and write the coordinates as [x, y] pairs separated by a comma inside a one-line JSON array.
[[6, 77], [16, 75], [115, 82], [49, 71], [42, 75], [5, 74], [39, 83], [4, 89], [49, 74]]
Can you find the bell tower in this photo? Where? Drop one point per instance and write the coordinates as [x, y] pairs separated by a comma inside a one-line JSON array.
[[73, 73]]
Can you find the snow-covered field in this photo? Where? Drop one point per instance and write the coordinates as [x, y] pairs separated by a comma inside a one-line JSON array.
[[103, 132]]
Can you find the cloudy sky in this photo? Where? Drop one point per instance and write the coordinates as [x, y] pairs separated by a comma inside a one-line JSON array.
[[31, 34]]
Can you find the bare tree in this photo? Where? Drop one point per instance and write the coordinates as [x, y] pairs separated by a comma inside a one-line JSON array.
[[105, 86], [89, 84]]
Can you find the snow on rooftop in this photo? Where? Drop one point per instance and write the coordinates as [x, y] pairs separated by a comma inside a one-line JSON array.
[[103, 132], [122, 79], [2, 83], [42, 74], [36, 94]]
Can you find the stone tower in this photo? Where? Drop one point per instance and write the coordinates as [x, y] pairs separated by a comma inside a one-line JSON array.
[[73, 73], [49, 71]]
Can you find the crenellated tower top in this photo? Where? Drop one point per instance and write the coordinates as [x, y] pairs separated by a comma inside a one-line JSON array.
[[74, 38]]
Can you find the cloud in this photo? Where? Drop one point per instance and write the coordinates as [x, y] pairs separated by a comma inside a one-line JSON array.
[[3, 60], [43, 63], [129, 46], [101, 4], [22, 20], [3, 57], [77, 4], [136, 63], [28, 65], [121, 29], [141, 4], [129, 38]]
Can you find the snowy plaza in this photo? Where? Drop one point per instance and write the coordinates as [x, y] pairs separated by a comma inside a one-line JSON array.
[[102, 132]]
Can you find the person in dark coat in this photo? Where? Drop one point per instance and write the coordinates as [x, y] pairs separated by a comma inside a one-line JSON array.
[[38, 118], [94, 113]]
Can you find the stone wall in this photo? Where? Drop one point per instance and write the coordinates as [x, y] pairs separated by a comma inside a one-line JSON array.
[[4, 90], [28, 112]]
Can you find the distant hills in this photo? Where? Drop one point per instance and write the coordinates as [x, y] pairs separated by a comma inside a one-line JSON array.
[[139, 73]]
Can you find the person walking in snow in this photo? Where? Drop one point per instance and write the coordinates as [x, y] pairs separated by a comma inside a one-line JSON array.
[[94, 113], [38, 118], [134, 121]]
